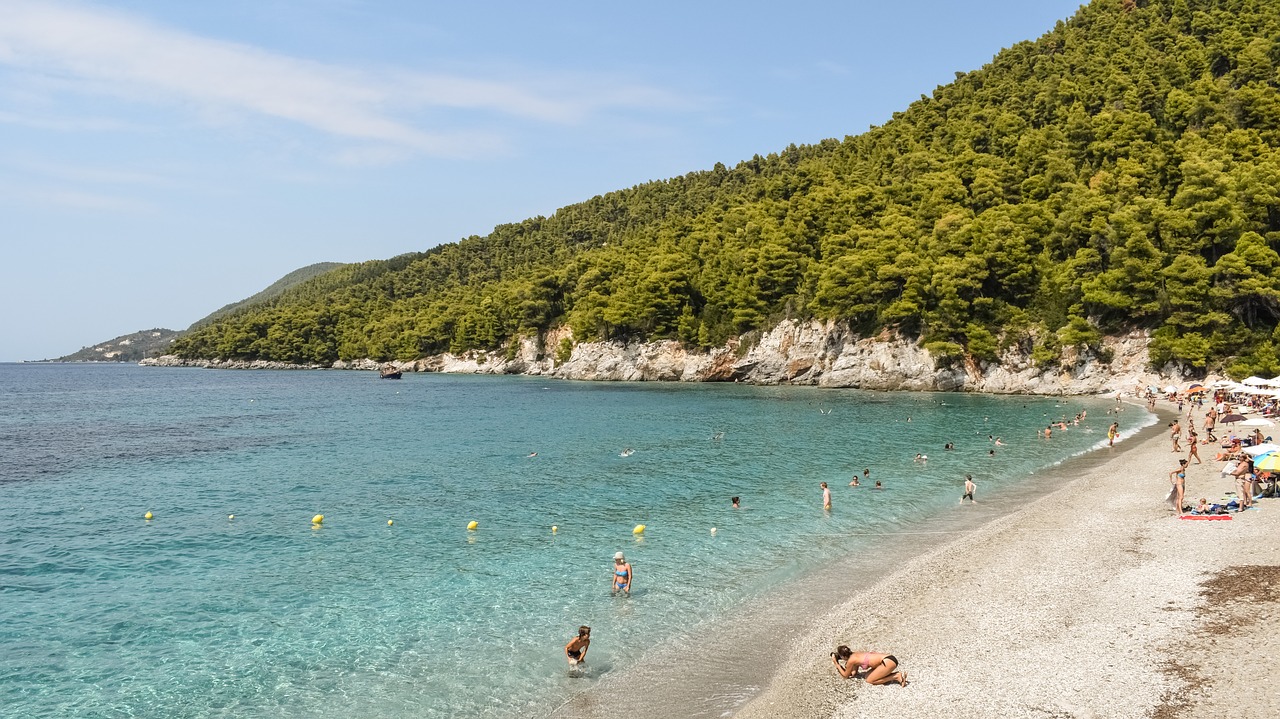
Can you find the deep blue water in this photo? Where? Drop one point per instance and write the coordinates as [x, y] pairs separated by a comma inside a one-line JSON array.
[[193, 614]]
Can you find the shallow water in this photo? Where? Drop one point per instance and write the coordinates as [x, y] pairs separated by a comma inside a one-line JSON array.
[[195, 615]]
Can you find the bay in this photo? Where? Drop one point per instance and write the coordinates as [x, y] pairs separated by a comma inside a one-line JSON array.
[[193, 614]]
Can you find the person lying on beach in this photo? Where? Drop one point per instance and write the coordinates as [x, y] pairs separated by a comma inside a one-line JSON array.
[[576, 650], [876, 668]]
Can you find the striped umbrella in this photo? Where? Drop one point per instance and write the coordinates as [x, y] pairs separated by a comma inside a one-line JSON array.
[[1267, 462]]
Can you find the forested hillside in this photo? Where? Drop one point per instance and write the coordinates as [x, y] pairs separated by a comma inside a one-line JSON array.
[[1120, 172]]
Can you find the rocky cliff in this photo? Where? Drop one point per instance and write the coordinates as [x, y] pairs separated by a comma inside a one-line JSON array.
[[825, 354]]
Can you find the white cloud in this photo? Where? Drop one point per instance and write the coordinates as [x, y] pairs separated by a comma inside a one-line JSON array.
[[97, 51]]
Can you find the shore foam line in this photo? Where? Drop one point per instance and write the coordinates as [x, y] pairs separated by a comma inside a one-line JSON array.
[[720, 668]]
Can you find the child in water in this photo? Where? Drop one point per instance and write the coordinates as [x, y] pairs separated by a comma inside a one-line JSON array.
[[576, 650]]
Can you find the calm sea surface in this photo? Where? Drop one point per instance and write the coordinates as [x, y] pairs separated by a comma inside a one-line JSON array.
[[194, 614]]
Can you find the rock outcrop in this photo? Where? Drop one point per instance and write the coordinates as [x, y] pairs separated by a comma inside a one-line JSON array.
[[824, 354]]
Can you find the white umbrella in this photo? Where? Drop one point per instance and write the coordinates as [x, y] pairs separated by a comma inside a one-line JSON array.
[[1264, 448], [1273, 382], [1254, 380], [1257, 422], [1170, 389]]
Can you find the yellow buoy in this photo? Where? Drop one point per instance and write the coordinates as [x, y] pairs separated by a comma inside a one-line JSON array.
[[318, 519], [554, 529], [638, 530], [231, 516], [472, 525], [147, 516], [390, 522]]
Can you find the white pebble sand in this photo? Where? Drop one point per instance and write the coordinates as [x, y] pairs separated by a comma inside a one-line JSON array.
[[1095, 601]]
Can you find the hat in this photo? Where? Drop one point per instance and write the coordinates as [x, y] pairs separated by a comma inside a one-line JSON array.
[[619, 556]]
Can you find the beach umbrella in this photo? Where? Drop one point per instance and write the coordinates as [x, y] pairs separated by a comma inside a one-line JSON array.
[[1260, 449], [1194, 386], [1254, 380], [1170, 389], [1229, 418], [1257, 422], [1269, 463]]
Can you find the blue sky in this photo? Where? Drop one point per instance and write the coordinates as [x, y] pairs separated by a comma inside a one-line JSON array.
[[161, 159]]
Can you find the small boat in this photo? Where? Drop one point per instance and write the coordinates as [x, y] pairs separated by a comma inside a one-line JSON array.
[[389, 373]]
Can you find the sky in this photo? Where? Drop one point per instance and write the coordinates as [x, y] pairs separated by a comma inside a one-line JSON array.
[[161, 159]]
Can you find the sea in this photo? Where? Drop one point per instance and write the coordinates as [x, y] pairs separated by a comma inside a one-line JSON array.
[[231, 602]]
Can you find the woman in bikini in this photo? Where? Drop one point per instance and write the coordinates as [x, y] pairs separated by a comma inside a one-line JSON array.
[[1193, 446], [576, 649], [876, 668], [622, 574], [1178, 479]]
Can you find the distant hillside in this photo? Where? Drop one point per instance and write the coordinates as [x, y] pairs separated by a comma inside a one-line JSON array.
[[155, 342], [1119, 173], [126, 348], [276, 289]]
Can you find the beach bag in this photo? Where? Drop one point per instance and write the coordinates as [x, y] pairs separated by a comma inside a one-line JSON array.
[[1229, 468]]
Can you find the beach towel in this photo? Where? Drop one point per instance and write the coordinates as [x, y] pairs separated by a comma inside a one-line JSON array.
[[1172, 498]]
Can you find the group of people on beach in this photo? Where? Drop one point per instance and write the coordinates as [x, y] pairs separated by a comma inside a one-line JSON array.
[[1240, 464]]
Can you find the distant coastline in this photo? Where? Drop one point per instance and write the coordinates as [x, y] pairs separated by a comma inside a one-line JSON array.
[[824, 354]]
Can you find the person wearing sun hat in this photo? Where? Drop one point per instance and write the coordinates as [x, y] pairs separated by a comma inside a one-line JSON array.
[[622, 574]]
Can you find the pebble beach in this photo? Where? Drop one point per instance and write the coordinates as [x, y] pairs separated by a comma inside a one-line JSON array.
[[1093, 601]]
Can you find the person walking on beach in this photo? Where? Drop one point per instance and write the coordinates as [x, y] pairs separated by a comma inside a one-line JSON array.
[[1112, 432], [1175, 433], [826, 496], [1178, 478], [622, 574], [876, 667], [969, 489], [576, 650], [1193, 445]]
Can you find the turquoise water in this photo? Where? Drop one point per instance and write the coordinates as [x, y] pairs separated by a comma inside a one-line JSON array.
[[196, 615]]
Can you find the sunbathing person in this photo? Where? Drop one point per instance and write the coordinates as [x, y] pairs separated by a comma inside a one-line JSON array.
[[877, 668]]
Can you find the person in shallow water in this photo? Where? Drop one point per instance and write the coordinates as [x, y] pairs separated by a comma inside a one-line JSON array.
[[622, 574], [576, 650], [875, 667]]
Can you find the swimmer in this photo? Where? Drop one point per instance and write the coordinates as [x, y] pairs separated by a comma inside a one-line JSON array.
[[999, 443], [854, 481], [949, 446], [826, 496], [878, 485], [626, 452], [532, 454], [576, 650], [921, 457], [622, 574], [969, 489], [991, 453], [735, 502], [718, 436]]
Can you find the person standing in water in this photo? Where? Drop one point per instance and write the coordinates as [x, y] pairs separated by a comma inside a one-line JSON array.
[[826, 496], [622, 574], [1112, 432], [576, 650], [969, 489]]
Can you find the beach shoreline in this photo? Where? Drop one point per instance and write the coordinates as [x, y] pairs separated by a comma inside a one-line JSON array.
[[1092, 601], [719, 669]]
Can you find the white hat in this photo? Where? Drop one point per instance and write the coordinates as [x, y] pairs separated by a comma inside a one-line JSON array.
[[619, 556]]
